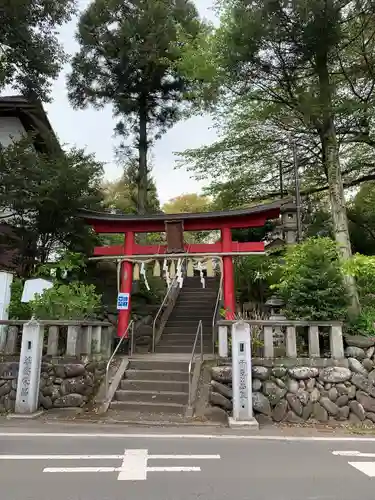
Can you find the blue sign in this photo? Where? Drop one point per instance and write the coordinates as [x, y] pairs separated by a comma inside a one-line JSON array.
[[123, 301]]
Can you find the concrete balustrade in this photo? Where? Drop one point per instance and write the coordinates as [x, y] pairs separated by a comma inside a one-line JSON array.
[[290, 337], [83, 338]]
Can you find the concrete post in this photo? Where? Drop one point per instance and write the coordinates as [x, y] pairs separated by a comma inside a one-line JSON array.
[[27, 397], [86, 340], [96, 340], [106, 342], [11, 343], [72, 341], [314, 349], [241, 377], [291, 342], [268, 349], [336, 342], [53, 341], [223, 341]]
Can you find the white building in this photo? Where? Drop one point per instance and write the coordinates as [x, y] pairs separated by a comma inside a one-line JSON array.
[[20, 116]]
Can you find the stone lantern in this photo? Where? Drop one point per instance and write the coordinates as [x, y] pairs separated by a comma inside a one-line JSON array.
[[289, 222], [275, 304]]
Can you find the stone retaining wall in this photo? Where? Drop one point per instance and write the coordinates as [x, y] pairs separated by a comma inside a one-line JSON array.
[[343, 392], [62, 385]]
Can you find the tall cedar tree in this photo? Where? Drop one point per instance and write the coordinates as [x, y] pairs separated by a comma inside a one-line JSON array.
[[127, 57], [30, 54], [122, 195]]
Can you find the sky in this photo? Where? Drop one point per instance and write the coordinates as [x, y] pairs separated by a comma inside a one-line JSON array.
[[93, 130]]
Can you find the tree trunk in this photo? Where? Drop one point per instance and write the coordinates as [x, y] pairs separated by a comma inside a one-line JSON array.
[[330, 155], [142, 149]]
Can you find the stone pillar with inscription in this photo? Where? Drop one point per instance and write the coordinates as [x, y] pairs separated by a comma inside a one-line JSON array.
[[27, 397], [241, 378]]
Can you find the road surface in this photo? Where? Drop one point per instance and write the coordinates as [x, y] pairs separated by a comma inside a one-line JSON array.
[[81, 464]]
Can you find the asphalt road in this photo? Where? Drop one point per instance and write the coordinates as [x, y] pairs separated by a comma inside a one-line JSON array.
[[102, 466]]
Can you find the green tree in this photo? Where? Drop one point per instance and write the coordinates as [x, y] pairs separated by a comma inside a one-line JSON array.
[[305, 71], [187, 203], [30, 54], [127, 56], [41, 195], [122, 195]]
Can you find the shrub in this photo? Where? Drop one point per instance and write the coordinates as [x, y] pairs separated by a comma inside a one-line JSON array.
[[362, 267], [73, 301], [364, 324], [18, 309], [312, 281], [254, 274]]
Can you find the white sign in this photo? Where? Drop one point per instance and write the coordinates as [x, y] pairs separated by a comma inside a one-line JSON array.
[[367, 468], [134, 466], [34, 287], [123, 301]]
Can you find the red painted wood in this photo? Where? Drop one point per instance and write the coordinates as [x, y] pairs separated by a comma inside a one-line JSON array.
[[204, 224], [228, 286], [213, 248], [126, 285]]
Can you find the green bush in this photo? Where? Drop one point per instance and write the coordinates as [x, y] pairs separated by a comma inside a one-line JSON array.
[[364, 324], [18, 309], [254, 274], [362, 267], [312, 281], [74, 301]]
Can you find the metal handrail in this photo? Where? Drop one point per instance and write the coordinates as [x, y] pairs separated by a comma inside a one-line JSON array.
[[218, 298], [130, 325], [199, 331], [170, 288]]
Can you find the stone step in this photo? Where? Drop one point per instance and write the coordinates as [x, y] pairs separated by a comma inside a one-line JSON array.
[[185, 315], [152, 396], [190, 324], [147, 407], [195, 309], [181, 349], [183, 340], [185, 330], [198, 302], [166, 375], [167, 341], [151, 385], [158, 364]]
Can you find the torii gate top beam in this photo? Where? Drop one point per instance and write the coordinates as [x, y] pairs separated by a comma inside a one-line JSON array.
[[203, 221]]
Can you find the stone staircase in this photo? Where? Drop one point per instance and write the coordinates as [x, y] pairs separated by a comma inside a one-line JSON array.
[[157, 384], [152, 385], [194, 303]]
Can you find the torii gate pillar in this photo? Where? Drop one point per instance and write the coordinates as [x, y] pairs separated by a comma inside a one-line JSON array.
[[126, 283], [228, 275]]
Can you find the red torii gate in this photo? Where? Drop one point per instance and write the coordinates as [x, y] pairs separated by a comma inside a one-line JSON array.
[[174, 225]]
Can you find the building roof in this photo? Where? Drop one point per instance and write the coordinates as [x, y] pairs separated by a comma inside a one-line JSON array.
[[244, 217], [33, 118]]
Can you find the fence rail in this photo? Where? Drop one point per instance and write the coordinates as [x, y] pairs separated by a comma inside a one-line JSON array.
[[62, 337], [272, 329]]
